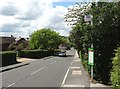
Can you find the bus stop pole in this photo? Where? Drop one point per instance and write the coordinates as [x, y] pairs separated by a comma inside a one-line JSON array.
[[91, 73]]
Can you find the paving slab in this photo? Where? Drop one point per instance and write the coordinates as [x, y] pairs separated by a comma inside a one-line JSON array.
[[79, 78]]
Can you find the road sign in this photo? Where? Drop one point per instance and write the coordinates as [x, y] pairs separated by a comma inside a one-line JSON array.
[[88, 18], [90, 56]]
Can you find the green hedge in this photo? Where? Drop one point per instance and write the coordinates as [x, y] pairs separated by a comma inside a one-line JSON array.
[[84, 61], [7, 58], [35, 53], [115, 73]]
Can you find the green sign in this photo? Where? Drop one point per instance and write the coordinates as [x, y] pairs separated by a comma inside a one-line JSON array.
[[90, 56]]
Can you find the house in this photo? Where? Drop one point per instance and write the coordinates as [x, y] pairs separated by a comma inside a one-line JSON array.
[[64, 46], [21, 43], [20, 40], [5, 42]]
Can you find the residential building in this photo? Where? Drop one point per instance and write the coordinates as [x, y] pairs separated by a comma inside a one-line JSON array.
[[5, 42]]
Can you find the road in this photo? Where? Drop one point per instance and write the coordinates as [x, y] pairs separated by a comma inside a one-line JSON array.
[[40, 73]]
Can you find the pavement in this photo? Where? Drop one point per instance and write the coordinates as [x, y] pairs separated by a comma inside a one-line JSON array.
[[76, 76]]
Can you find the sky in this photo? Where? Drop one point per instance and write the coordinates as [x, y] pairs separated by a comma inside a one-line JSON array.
[[22, 17]]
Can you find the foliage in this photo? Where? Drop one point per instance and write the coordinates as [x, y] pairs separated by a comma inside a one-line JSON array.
[[20, 46], [35, 53], [104, 34], [115, 73], [81, 37], [76, 13], [12, 46], [106, 37], [45, 39], [8, 57]]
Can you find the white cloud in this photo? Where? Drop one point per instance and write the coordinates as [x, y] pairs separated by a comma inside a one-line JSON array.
[[21, 18]]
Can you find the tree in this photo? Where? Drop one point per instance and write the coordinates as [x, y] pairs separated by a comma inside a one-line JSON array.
[[80, 36], [12, 46], [115, 72], [106, 37], [76, 14], [104, 34], [45, 39], [20, 47]]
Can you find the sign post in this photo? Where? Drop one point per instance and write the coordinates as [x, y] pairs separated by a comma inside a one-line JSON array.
[[88, 18], [91, 60]]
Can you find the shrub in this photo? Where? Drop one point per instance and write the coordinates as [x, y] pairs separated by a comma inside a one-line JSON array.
[[84, 61], [115, 73], [8, 57], [35, 53]]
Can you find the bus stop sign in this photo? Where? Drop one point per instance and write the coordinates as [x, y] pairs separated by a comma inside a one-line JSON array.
[[90, 56]]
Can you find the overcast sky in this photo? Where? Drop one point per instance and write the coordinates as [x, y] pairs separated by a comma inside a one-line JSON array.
[[22, 17]]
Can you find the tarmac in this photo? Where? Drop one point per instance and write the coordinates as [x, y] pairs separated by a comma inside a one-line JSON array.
[[21, 62], [76, 76]]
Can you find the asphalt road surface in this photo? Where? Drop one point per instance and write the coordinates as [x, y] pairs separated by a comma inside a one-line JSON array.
[[40, 73]]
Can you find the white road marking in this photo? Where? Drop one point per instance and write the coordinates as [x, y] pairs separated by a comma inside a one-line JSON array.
[[74, 67], [76, 60], [66, 75], [77, 72], [76, 55], [73, 86], [38, 70], [53, 62], [11, 85]]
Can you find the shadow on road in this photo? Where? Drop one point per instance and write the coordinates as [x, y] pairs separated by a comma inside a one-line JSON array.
[[64, 56], [9, 64], [69, 56], [13, 66]]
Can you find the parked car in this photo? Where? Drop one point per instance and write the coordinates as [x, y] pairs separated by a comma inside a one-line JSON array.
[[62, 53]]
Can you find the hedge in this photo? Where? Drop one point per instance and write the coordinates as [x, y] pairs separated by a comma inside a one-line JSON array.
[[7, 58], [115, 72], [84, 61], [35, 53]]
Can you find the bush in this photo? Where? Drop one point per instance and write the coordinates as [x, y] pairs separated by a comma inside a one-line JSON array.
[[7, 58], [115, 73], [84, 61], [35, 53]]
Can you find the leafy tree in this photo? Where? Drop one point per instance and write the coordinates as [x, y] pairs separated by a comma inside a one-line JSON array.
[[20, 47], [45, 39], [80, 36], [12, 46], [76, 14], [115, 72], [106, 37], [104, 34]]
